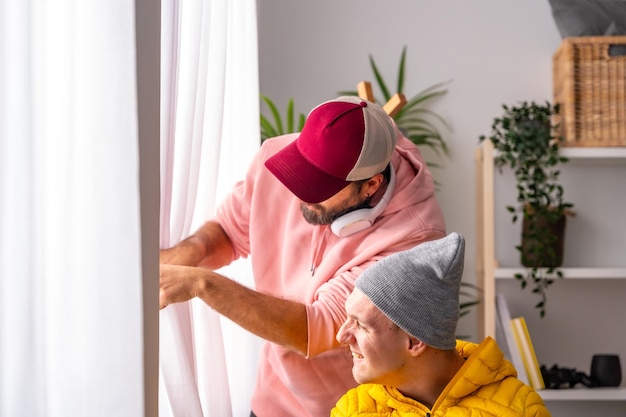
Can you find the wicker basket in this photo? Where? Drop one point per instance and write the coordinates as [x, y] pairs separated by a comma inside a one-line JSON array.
[[590, 87]]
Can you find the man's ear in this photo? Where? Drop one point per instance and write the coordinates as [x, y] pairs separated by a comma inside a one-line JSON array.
[[373, 184], [416, 346]]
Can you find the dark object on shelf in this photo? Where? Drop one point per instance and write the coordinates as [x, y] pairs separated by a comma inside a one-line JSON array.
[[589, 17], [606, 370], [554, 377]]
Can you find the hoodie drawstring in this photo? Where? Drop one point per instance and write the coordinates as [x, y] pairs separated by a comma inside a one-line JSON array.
[[318, 249]]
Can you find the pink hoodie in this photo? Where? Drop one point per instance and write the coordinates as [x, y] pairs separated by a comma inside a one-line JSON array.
[[309, 264]]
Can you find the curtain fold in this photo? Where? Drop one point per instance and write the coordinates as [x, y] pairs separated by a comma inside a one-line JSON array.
[[209, 131], [71, 327]]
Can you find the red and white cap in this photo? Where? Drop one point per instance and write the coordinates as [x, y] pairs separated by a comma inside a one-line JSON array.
[[343, 140]]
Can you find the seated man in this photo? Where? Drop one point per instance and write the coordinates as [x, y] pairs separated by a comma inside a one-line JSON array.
[[402, 318]]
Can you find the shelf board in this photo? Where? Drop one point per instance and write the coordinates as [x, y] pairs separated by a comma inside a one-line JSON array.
[[594, 153], [584, 394], [570, 273]]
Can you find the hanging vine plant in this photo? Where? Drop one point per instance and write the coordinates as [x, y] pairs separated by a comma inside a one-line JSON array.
[[527, 142]]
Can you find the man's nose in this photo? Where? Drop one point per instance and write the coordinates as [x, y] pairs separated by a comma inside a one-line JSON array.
[[342, 333]]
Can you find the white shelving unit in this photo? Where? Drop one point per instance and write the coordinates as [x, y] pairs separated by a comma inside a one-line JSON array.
[[569, 273], [489, 271], [584, 394]]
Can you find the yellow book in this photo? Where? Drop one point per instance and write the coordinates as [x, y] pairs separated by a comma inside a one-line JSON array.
[[506, 339], [520, 330]]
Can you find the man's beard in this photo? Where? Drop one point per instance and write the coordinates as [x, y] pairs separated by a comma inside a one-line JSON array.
[[323, 215]]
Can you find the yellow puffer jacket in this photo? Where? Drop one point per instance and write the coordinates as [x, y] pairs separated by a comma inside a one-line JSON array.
[[486, 385]]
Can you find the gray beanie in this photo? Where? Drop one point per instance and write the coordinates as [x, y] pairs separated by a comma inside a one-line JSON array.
[[418, 289]]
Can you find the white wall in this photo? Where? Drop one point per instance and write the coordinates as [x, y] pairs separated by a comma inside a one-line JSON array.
[[494, 52]]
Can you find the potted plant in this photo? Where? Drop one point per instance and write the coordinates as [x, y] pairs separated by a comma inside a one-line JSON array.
[[417, 121], [526, 140]]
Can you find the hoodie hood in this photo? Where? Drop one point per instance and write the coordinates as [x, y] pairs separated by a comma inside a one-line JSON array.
[[415, 182]]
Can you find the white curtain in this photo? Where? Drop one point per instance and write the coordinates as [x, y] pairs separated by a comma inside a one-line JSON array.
[[209, 132], [70, 258]]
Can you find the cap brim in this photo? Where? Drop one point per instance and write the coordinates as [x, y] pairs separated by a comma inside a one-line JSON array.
[[302, 178]]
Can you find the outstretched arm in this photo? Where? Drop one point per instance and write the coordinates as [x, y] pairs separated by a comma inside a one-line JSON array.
[[209, 247], [274, 319]]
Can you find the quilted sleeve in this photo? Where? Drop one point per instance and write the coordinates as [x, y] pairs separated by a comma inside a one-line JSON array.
[[535, 406], [346, 405]]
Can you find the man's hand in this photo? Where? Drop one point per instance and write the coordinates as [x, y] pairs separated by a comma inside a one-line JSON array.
[[278, 320], [208, 247], [184, 253], [178, 283]]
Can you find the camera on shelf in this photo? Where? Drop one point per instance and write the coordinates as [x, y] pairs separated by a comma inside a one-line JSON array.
[[554, 377]]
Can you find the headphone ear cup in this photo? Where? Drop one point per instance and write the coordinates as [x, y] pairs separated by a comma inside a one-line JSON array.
[[361, 219], [353, 222]]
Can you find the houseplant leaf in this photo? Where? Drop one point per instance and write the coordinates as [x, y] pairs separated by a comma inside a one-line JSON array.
[[275, 127]]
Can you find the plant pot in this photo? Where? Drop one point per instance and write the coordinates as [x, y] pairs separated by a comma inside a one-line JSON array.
[[543, 237]]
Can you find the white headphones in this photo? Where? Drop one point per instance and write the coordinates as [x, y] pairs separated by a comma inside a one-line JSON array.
[[361, 219]]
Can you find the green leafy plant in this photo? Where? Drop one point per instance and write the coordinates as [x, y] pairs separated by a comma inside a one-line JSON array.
[[526, 140], [469, 296], [418, 122], [275, 127]]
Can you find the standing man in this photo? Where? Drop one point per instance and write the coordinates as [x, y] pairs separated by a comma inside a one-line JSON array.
[[313, 212], [402, 319]]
